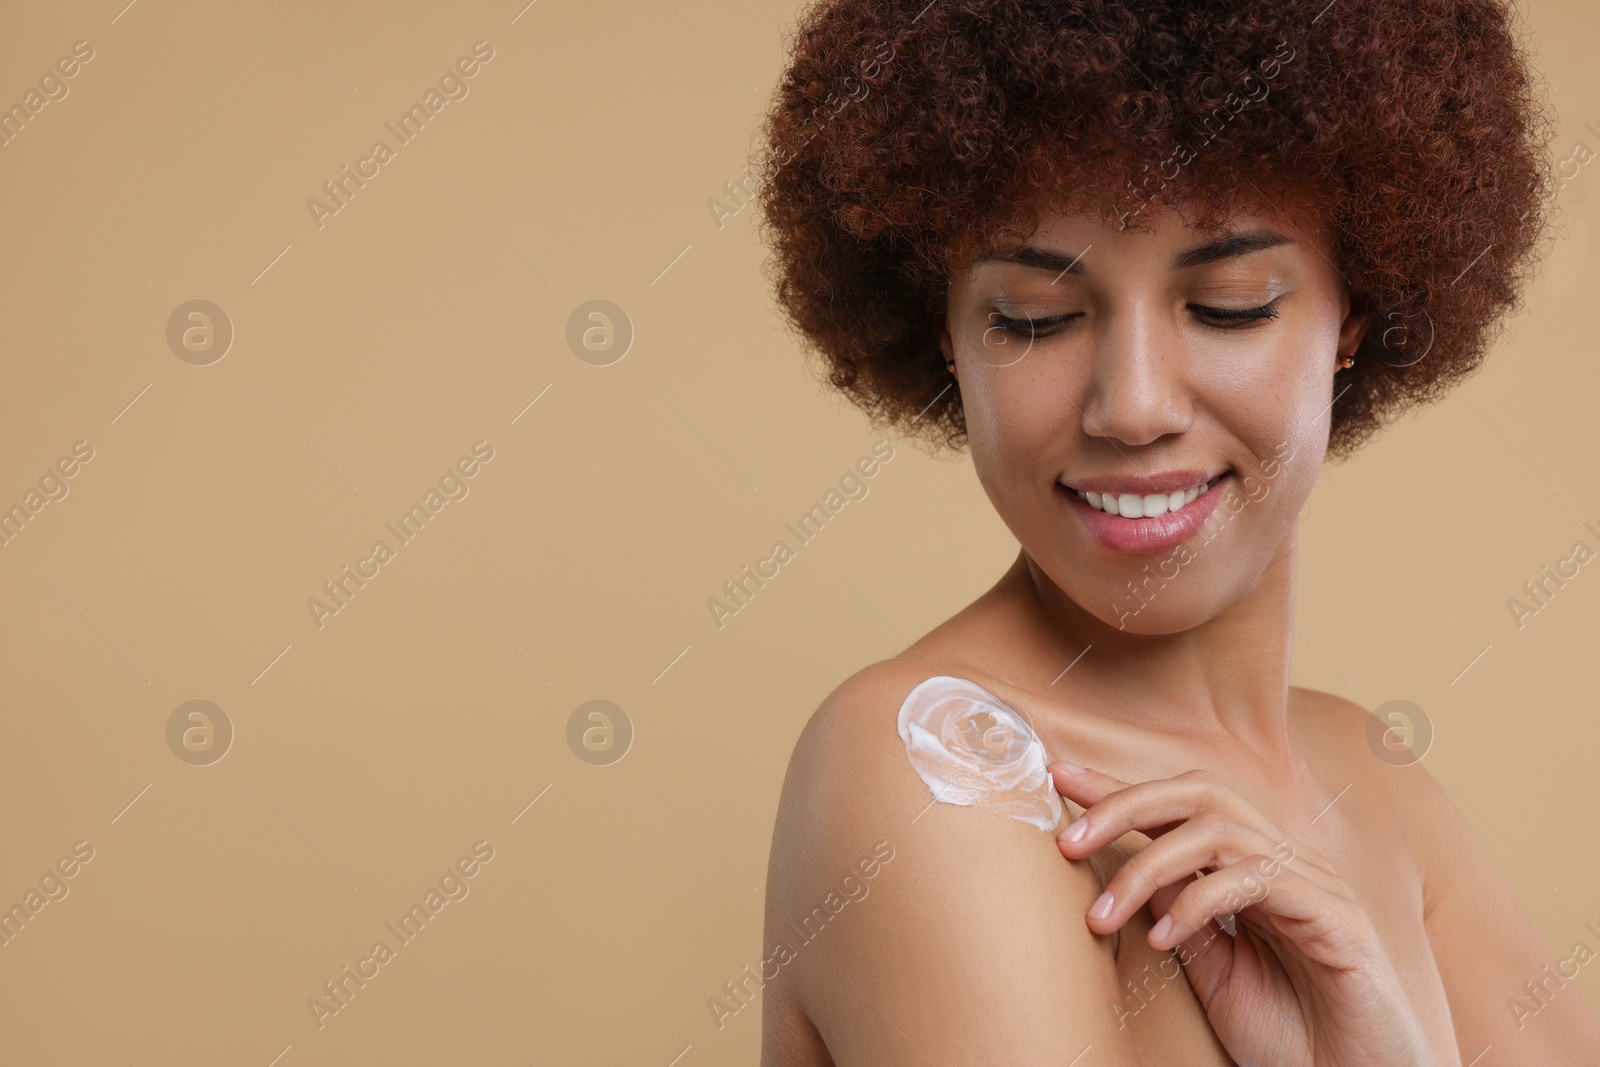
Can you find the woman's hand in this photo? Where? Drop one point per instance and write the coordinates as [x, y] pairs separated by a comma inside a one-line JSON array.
[[1305, 980]]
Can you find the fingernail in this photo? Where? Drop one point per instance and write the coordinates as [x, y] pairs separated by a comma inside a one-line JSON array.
[[1071, 768], [1102, 907], [1160, 930], [1076, 831]]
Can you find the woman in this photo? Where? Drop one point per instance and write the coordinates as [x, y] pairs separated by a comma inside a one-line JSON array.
[[1152, 262]]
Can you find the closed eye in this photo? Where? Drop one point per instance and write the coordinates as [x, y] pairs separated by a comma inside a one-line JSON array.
[[1043, 327], [1234, 318], [1221, 318]]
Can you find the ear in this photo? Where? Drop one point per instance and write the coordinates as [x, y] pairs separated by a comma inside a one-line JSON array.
[[1358, 316]]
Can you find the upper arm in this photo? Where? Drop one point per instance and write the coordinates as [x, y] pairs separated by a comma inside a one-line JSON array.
[[968, 945], [1485, 944]]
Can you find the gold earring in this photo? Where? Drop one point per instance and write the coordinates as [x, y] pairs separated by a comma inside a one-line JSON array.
[[1347, 362], [950, 365]]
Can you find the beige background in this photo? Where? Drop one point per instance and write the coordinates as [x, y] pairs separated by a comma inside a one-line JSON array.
[[426, 715]]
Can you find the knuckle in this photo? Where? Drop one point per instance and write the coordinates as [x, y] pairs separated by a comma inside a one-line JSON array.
[[1192, 908], [1111, 812], [1256, 873], [1211, 790], [1134, 872], [1286, 850], [1262, 871]]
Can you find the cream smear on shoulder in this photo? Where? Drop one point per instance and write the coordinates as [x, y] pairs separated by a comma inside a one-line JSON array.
[[969, 748]]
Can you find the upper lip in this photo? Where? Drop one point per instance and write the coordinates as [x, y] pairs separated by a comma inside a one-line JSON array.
[[1141, 484]]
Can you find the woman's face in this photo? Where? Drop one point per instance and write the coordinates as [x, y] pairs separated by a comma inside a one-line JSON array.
[[1181, 379]]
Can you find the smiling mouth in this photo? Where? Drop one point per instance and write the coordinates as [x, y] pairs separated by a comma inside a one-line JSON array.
[[1145, 505]]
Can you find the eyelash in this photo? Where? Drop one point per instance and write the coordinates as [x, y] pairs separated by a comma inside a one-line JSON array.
[[1032, 327]]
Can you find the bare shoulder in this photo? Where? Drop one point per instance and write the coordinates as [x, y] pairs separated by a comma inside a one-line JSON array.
[[849, 783], [856, 725], [849, 777], [887, 903], [1380, 751], [1483, 939]]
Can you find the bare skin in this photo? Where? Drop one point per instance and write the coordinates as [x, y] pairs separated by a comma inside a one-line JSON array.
[[1388, 937]]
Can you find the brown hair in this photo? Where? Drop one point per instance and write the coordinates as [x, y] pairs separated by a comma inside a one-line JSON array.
[[905, 136]]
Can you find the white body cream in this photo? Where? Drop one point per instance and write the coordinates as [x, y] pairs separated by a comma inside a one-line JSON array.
[[969, 748]]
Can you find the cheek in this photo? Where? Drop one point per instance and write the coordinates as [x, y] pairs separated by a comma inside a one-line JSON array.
[[1014, 420], [1276, 399], [1012, 386], [1308, 371]]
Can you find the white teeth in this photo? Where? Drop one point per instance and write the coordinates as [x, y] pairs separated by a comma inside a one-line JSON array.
[[1134, 506]]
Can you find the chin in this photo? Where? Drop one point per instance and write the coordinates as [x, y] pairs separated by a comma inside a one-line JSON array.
[[1144, 602], [1168, 611], [1155, 618]]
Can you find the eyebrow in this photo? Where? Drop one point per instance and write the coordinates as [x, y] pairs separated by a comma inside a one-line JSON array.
[[1238, 243]]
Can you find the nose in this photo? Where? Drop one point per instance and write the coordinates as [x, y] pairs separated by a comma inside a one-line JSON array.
[[1138, 388]]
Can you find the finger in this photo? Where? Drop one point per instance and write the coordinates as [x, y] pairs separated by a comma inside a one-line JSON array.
[[1324, 926], [1154, 807], [1207, 956], [1088, 787], [1082, 785], [1203, 842], [1157, 807]]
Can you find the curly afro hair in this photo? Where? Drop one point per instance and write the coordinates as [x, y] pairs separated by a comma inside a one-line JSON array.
[[906, 137]]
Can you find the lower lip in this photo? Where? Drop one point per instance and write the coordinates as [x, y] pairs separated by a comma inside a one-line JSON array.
[[1144, 535]]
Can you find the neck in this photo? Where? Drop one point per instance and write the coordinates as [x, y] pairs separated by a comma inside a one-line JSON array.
[[1229, 675]]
